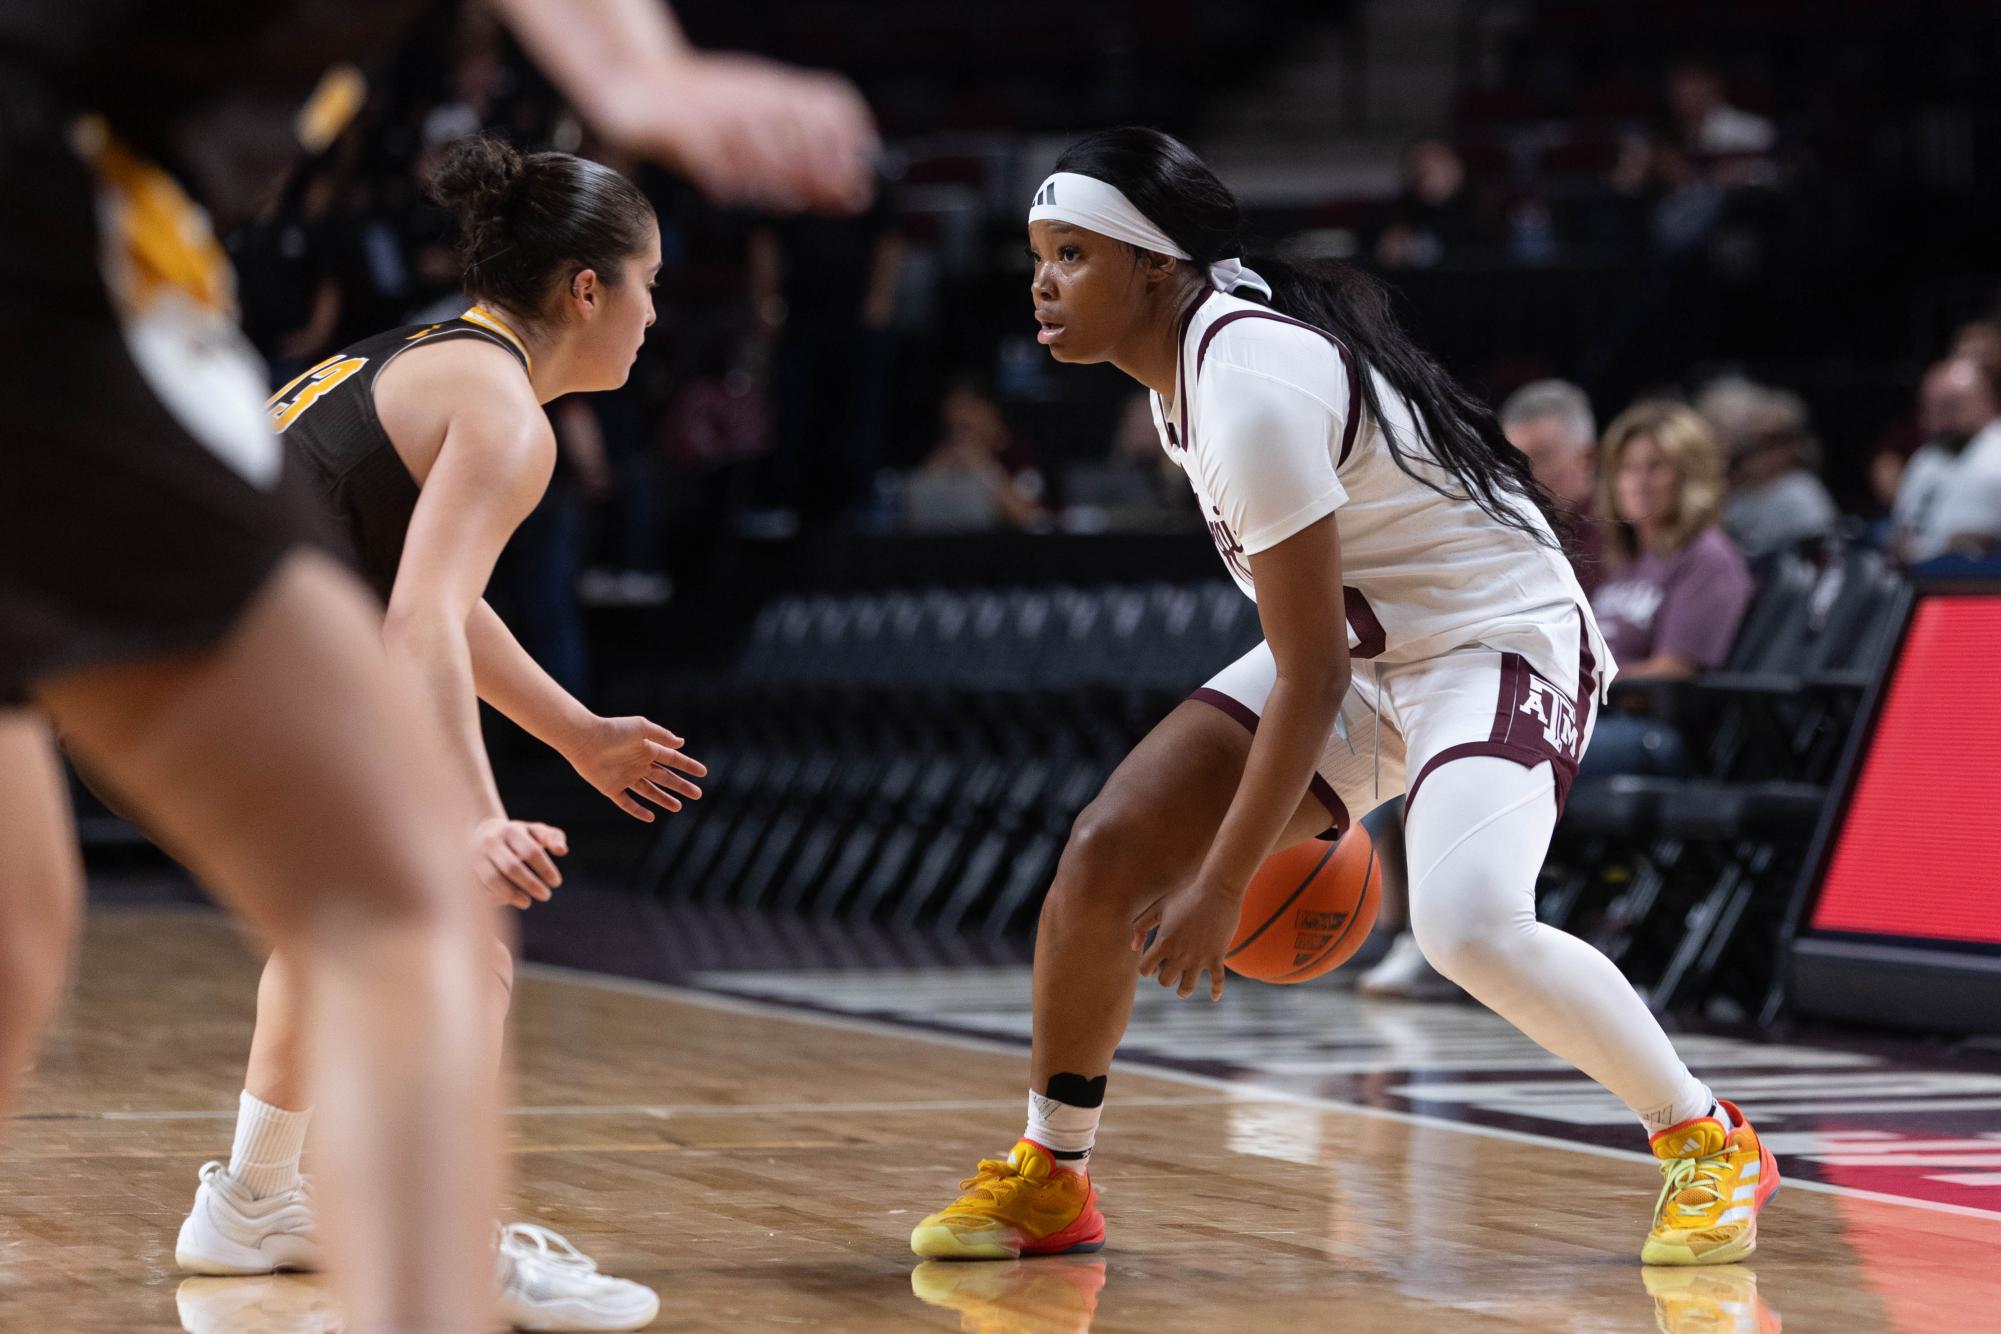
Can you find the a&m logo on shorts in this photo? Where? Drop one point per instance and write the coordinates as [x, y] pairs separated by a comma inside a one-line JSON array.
[[1557, 712]]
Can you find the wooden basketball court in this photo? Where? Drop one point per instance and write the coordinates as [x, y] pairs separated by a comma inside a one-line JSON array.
[[762, 1168]]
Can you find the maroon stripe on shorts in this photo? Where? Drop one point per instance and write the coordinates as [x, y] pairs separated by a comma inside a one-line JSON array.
[[1322, 790], [1519, 732], [1236, 708]]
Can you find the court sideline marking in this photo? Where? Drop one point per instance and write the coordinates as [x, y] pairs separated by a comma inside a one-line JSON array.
[[670, 1110], [740, 1005]]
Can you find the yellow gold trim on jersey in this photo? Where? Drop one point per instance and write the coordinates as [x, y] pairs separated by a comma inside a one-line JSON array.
[[298, 379], [324, 379], [486, 319], [427, 329]]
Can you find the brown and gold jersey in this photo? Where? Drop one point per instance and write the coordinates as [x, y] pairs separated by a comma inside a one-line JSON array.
[[327, 419]]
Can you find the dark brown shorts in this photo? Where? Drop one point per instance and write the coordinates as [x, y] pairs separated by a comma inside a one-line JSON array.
[[143, 500]]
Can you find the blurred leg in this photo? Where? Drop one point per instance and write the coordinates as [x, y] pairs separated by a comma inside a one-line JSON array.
[[277, 1072], [286, 769], [41, 886]]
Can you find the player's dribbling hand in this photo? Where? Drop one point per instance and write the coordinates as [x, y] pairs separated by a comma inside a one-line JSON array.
[[1195, 924], [750, 131], [634, 760], [515, 860]]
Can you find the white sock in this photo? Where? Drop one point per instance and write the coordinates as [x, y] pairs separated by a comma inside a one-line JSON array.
[[1695, 1100], [1067, 1132], [269, 1143]]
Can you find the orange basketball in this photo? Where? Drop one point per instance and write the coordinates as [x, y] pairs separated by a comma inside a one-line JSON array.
[[1309, 908]]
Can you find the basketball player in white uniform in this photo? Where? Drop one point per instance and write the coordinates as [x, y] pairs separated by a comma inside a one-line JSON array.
[[1424, 636]]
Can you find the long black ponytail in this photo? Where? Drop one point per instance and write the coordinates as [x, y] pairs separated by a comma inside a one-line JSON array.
[[1169, 184]]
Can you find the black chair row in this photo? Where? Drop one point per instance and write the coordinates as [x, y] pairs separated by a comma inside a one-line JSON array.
[[917, 757], [910, 837], [1706, 860], [1148, 636]]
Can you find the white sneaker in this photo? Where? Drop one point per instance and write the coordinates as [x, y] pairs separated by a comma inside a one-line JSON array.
[[548, 1284], [1406, 974], [265, 1305], [228, 1232]]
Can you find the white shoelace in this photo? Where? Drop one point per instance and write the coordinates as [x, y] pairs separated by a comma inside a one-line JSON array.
[[212, 1170], [528, 1241]]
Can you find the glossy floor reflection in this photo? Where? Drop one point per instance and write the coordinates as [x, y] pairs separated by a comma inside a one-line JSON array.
[[763, 1169]]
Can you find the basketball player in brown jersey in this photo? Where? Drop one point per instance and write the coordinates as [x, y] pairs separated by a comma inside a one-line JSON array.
[[430, 446]]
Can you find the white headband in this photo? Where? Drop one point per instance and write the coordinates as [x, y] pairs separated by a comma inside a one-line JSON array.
[[1089, 202]]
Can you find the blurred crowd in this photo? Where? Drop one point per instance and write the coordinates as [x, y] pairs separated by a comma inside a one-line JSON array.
[[1634, 178], [859, 374], [1681, 502]]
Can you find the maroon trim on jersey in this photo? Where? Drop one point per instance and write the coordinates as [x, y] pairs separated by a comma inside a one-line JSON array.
[[1180, 372], [1322, 790], [1370, 637], [1340, 348], [1587, 669], [1528, 744]]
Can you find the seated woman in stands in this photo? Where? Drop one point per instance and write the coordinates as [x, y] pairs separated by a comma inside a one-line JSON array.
[[1675, 589]]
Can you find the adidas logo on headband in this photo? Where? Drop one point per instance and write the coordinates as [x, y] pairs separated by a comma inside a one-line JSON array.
[[1099, 206]]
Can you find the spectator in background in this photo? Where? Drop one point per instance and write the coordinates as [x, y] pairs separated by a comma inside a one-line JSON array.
[[978, 474], [1967, 516], [1550, 422], [1776, 500], [1708, 126], [1682, 177], [1954, 404], [1433, 216], [1135, 488], [1979, 342], [1675, 589]]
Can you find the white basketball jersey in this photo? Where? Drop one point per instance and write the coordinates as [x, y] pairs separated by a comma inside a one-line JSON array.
[[1269, 426]]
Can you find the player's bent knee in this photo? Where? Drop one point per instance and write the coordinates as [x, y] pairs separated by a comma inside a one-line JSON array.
[[1467, 946], [1102, 858], [432, 902]]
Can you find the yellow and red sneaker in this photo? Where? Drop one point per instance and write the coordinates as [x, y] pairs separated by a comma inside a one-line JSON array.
[[1012, 1207], [1717, 1178]]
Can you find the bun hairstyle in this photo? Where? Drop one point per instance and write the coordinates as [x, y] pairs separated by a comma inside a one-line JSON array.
[[527, 224], [1167, 182]]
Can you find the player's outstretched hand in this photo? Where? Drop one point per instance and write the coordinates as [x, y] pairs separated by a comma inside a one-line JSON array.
[[754, 132], [515, 860], [1195, 924], [634, 760]]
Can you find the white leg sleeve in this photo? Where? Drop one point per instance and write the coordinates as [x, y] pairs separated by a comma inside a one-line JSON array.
[[1476, 837]]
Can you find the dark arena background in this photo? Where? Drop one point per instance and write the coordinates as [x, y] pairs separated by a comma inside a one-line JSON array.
[[911, 590]]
